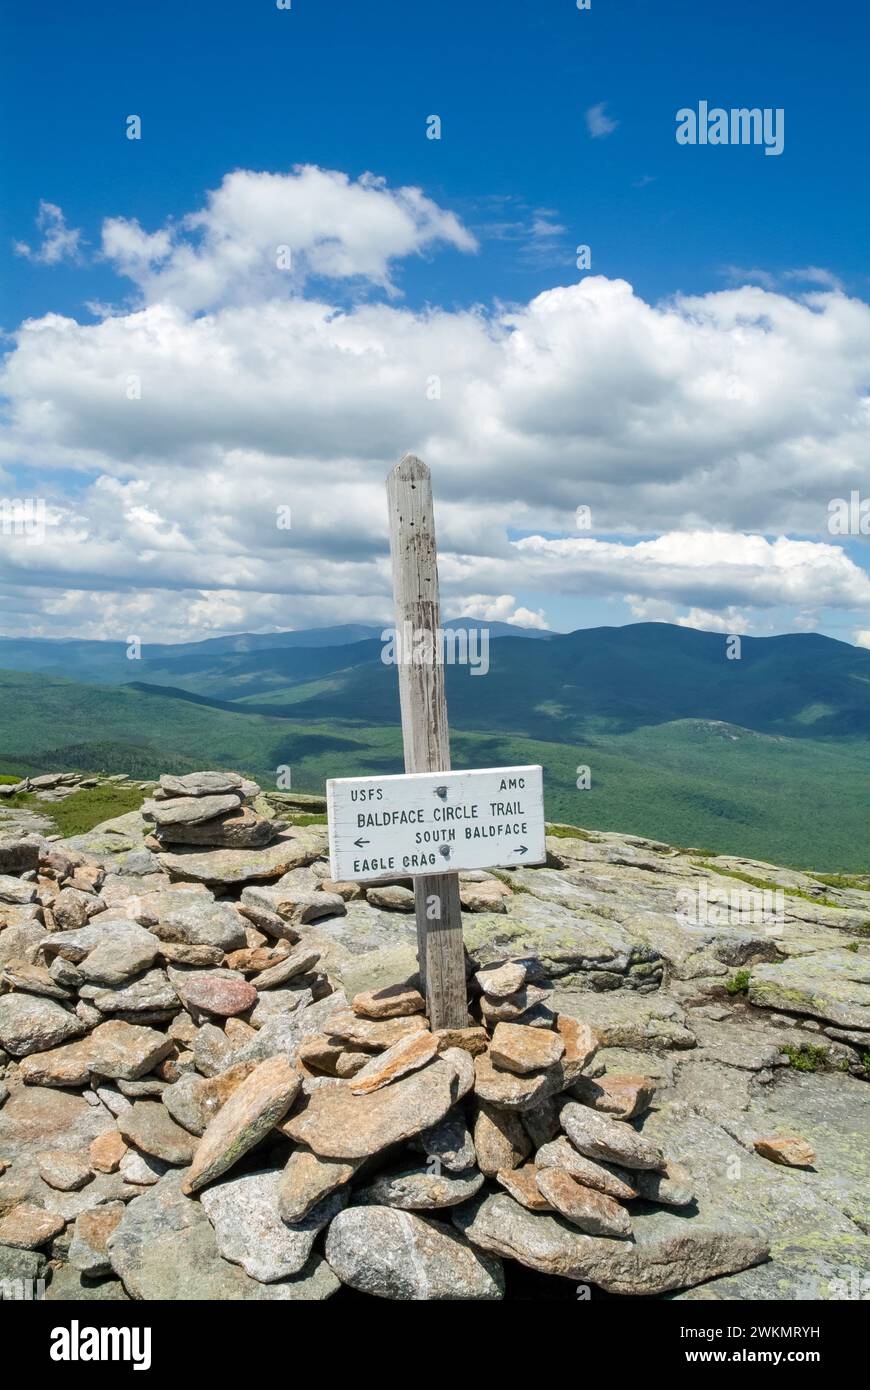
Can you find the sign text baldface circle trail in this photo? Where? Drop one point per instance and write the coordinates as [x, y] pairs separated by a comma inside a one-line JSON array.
[[435, 823]]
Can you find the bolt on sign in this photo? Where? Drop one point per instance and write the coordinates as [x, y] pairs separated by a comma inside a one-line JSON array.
[[435, 822]]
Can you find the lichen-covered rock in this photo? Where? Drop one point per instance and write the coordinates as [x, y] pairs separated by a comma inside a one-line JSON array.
[[449, 1142], [376, 1035], [396, 1255], [262, 1099], [549, 1244], [585, 1208], [623, 1097], [115, 1049], [149, 1127], [227, 868], [406, 1055], [523, 1050], [418, 1189], [509, 1091], [190, 810], [164, 1249], [832, 985], [500, 1141], [87, 1252], [64, 1169], [338, 1124], [597, 1136], [193, 1101], [29, 1024], [601, 1177], [244, 1212], [26, 1227]]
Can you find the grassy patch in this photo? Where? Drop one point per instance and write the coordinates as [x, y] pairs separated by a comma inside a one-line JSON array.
[[764, 883], [739, 982], [302, 819], [806, 1057], [7, 781], [859, 881], [570, 832], [81, 811]]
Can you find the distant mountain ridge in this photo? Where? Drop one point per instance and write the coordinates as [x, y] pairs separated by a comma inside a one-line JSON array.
[[767, 756], [104, 661], [606, 679]]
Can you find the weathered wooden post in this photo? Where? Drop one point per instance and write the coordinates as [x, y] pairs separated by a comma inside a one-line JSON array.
[[424, 726], [430, 822]]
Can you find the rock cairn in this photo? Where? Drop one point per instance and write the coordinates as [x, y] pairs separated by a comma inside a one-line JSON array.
[[194, 1109], [209, 809]]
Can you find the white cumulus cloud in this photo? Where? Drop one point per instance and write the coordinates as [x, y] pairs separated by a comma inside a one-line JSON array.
[[706, 434]]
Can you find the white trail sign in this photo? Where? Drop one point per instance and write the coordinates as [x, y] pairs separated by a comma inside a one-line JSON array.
[[435, 822]]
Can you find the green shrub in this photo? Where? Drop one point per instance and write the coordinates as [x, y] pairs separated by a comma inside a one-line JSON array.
[[739, 982], [806, 1057]]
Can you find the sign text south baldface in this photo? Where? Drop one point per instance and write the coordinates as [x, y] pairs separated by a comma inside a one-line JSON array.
[[435, 822]]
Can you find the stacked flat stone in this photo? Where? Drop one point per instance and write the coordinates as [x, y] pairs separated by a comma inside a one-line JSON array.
[[207, 810]]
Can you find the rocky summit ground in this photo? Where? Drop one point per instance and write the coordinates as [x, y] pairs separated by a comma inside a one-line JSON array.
[[218, 1080]]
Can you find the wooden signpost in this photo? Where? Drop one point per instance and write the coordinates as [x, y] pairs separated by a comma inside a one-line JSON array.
[[420, 825]]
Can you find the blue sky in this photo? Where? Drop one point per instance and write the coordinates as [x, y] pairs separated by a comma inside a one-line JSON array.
[[347, 87]]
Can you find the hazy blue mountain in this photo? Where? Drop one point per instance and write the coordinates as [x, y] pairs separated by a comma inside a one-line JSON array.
[[615, 678], [165, 663]]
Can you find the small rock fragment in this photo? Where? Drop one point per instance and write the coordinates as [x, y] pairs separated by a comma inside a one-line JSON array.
[[26, 1227], [396, 1001], [63, 1169], [307, 1179], [523, 1050], [522, 1185], [501, 979], [106, 1151], [787, 1149]]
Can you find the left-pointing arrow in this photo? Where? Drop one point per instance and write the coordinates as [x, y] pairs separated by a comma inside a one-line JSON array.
[[359, 843]]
